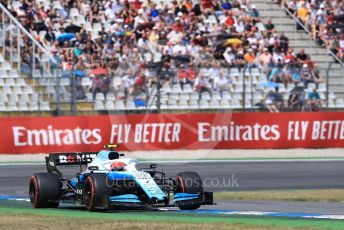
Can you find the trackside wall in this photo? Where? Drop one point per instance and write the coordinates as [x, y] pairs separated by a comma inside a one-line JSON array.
[[172, 131]]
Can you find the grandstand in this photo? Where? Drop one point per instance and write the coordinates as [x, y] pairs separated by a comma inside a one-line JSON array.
[[301, 39], [93, 57]]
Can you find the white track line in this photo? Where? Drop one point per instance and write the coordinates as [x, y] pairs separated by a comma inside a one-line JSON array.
[[233, 212]]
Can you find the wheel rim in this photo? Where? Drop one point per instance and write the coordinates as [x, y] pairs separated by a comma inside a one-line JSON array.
[[180, 187], [88, 196], [32, 192]]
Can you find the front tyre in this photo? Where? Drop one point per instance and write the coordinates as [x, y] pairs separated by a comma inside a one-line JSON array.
[[96, 192], [189, 182], [44, 190]]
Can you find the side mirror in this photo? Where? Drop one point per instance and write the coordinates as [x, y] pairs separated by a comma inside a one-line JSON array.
[[153, 166]]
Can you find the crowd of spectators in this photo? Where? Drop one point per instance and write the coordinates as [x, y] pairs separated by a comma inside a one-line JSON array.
[[298, 100], [167, 42], [325, 19]]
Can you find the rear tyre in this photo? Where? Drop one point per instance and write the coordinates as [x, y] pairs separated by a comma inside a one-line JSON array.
[[44, 190], [96, 192], [189, 182]]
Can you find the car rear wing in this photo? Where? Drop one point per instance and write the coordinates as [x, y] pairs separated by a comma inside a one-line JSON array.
[[71, 158], [68, 159]]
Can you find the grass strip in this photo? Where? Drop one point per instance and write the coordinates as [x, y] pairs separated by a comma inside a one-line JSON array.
[[311, 195], [168, 219]]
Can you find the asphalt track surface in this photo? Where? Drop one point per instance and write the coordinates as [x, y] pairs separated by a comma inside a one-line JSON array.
[[217, 176], [228, 176]]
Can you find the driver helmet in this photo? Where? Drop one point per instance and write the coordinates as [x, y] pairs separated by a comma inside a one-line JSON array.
[[117, 166]]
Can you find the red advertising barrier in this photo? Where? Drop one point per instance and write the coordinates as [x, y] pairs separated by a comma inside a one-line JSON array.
[[172, 131]]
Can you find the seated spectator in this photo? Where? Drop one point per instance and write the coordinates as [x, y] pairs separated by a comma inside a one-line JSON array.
[[226, 5], [140, 79], [143, 44], [278, 56], [269, 28], [313, 101], [302, 56], [277, 73], [292, 6], [202, 84], [240, 60], [309, 63], [186, 75], [106, 80], [296, 99], [283, 42], [271, 102], [310, 74], [108, 51], [250, 58], [279, 100], [57, 61], [77, 51], [230, 21], [306, 75], [79, 93], [254, 13], [296, 74], [213, 70], [97, 86], [302, 13], [289, 56], [222, 83], [127, 83]]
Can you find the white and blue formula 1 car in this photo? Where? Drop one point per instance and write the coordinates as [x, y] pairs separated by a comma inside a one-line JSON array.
[[107, 180]]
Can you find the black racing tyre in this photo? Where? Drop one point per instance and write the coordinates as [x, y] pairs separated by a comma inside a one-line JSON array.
[[44, 190], [96, 190], [189, 182]]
